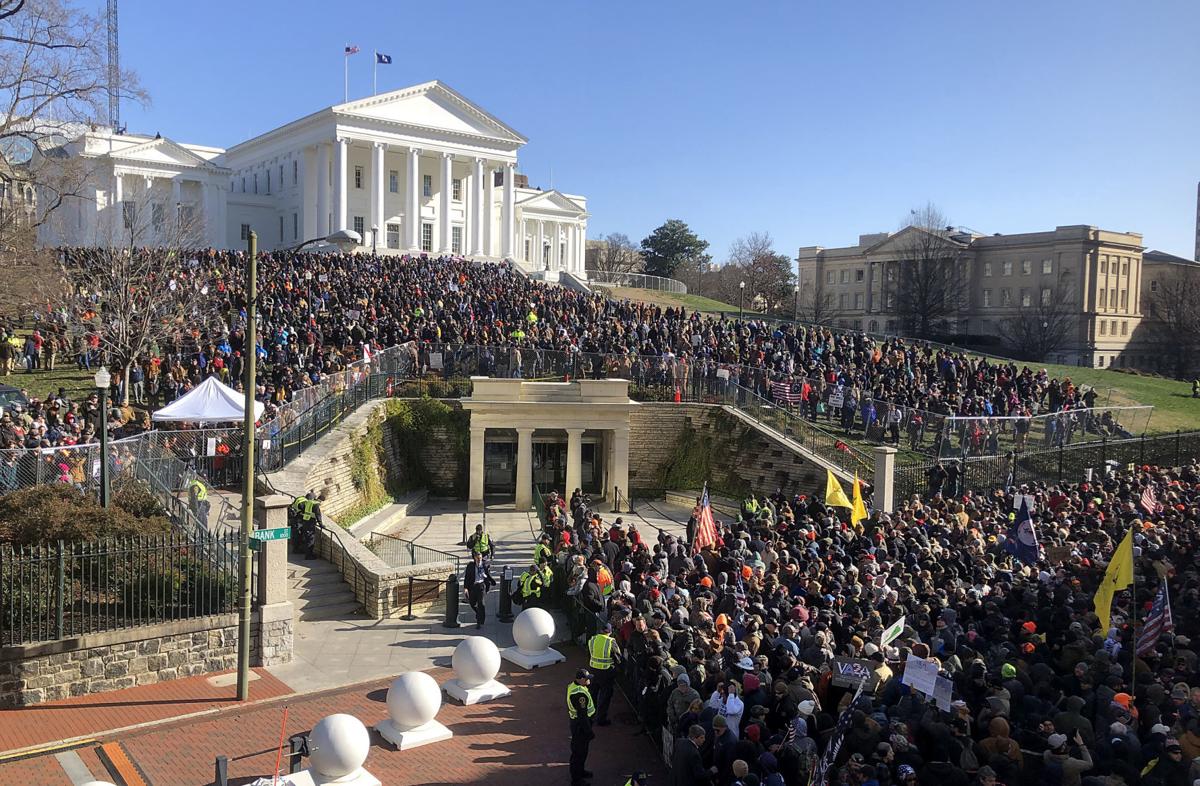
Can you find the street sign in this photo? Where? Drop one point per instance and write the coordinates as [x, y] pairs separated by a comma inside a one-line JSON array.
[[279, 533]]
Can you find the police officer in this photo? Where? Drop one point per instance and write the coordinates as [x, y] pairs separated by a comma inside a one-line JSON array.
[[307, 510], [580, 710], [603, 655], [198, 499], [481, 543], [542, 553], [531, 583]]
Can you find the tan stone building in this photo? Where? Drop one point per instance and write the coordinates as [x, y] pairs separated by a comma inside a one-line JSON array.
[[1091, 276]]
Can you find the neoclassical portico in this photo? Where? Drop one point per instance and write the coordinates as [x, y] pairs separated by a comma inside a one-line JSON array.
[[583, 413]]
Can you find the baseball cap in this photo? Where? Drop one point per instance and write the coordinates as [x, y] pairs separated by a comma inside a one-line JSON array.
[[583, 674], [1056, 741]]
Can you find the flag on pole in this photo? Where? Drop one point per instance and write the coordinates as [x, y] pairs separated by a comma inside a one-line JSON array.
[[1158, 622], [1117, 577], [858, 511], [1149, 502], [382, 59], [351, 50], [1022, 540], [835, 741], [834, 496], [706, 527]]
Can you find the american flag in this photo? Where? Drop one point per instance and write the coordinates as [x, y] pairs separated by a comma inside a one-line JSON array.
[[706, 527], [820, 773], [1149, 502], [1157, 623], [351, 50], [782, 391]]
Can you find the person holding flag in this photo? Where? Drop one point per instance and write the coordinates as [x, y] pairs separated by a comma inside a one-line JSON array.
[[706, 526], [1158, 622], [1022, 540], [835, 497]]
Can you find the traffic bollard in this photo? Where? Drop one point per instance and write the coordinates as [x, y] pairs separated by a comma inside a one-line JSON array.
[[505, 614], [451, 620]]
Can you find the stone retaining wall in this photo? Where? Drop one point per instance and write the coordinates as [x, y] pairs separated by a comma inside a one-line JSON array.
[[108, 661], [380, 588]]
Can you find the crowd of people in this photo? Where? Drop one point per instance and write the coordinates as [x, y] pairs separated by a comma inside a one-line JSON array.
[[730, 652], [319, 313]]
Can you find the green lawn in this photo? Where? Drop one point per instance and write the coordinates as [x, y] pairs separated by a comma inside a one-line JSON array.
[[1174, 407], [697, 302], [40, 384]]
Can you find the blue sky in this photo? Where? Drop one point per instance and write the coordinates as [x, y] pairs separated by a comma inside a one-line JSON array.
[[814, 121]]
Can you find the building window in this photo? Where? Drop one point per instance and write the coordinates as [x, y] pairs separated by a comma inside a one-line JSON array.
[[1008, 268], [427, 236], [1112, 299], [268, 182], [1124, 328], [1124, 299], [526, 252], [128, 213], [1047, 267], [858, 275], [1103, 298], [1026, 301], [1154, 285], [1046, 295], [858, 324], [245, 231], [427, 185], [987, 298], [1112, 327], [393, 235], [891, 273], [394, 181], [845, 277], [858, 301], [1100, 361], [456, 240], [281, 229], [456, 189], [828, 276], [295, 226], [1104, 266], [1026, 267], [243, 184], [1103, 328], [1006, 297], [256, 182], [987, 269], [281, 176], [843, 301], [295, 171], [1124, 267], [157, 216], [891, 304], [359, 226], [358, 177]]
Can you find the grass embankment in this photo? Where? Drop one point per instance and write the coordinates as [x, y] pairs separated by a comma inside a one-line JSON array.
[[671, 299], [1174, 407], [42, 383]]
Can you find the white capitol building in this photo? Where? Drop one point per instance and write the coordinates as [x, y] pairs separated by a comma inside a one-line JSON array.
[[420, 169]]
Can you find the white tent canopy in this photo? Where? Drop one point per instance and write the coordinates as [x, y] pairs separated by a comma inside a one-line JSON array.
[[210, 401]]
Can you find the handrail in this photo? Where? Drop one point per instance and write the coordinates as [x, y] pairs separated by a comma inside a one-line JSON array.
[[636, 281]]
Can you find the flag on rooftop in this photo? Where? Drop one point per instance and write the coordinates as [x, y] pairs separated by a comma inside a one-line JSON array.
[[351, 50]]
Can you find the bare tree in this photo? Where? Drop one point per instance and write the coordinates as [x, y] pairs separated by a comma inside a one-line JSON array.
[[931, 286], [146, 287], [818, 305], [615, 253], [53, 86], [1042, 327], [769, 276], [1173, 316]]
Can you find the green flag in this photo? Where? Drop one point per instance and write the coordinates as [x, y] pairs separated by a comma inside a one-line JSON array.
[[891, 632]]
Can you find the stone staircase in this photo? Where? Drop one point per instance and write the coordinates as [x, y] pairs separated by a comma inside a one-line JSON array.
[[318, 591]]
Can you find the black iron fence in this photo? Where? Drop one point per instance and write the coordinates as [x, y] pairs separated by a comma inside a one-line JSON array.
[[62, 590], [1065, 463], [400, 553]]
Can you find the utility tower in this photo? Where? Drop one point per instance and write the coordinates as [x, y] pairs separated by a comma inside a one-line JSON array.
[[114, 69]]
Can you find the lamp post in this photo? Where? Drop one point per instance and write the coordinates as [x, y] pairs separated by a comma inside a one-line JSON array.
[[741, 298], [796, 310], [374, 238], [103, 379]]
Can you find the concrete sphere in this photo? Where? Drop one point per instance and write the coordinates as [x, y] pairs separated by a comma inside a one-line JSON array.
[[533, 630], [476, 661], [413, 700], [338, 745]]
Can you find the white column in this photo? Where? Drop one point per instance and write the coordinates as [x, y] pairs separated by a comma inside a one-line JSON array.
[[557, 252], [574, 459], [213, 226], [510, 210], [91, 215], [378, 187], [489, 218], [118, 211], [412, 199], [176, 196], [620, 469], [582, 243], [323, 209], [308, 191], [524, 496], [341, 155], [572, 236], [475, 495], [539, 254], [478, 194], [444, 203]]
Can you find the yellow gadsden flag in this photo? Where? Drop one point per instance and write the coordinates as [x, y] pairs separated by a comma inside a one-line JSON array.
[[858, 511], [1117, 577], [834, 495]]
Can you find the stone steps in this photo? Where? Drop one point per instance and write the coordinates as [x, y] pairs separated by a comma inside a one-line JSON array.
[[319, 592]]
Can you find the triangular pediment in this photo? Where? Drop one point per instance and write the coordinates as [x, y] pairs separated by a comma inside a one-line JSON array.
[[162, 151], [434, 106], [554, 201], [902, 242]]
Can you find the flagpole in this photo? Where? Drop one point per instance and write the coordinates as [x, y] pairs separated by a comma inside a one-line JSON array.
[[1134, 604], [346, 75], [375, 75]]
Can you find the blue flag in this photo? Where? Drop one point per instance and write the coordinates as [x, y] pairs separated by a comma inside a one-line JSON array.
[[383, 59], [1022, 540]]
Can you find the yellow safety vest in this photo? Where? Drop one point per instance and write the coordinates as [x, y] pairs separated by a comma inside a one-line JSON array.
[[200, 489], [600, 648], [527, 588], [541, 551], [573, 689], [305, 506], [482, 543]]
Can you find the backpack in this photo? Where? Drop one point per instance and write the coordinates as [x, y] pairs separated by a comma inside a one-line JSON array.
[[1052, 773]]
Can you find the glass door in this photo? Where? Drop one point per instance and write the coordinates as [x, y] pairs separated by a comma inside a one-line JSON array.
[[550, 466], [500, 468]]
